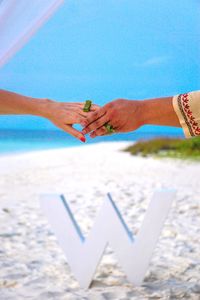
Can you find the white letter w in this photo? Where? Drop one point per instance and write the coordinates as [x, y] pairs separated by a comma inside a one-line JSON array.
[[84, 255]]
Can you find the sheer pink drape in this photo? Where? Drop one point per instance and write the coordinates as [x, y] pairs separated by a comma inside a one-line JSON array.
[[19, 20]]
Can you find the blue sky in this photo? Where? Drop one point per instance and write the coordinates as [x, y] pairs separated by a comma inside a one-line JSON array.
[[108, 49]]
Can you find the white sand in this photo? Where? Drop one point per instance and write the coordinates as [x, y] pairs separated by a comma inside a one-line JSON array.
[[32, 265]]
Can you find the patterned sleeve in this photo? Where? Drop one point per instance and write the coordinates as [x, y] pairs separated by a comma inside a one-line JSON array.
[[187, 108]]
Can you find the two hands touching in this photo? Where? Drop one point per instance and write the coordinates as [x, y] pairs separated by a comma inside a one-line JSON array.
[[120, 115], [117, 116]]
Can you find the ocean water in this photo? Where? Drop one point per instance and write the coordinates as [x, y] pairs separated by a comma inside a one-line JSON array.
[[15, 141]]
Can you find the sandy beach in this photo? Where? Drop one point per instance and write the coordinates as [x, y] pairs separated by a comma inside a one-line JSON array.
[[32, 265]]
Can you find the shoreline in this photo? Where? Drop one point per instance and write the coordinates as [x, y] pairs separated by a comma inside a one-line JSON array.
[[55, 148], [63, 149]]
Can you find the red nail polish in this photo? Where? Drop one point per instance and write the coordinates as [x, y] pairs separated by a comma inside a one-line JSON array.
[[82, 139]]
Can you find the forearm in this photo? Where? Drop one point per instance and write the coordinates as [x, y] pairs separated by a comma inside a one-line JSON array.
[[16, 104], [158, 111]]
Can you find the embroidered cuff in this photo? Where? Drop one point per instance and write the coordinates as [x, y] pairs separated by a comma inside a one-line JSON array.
[[187, 108]]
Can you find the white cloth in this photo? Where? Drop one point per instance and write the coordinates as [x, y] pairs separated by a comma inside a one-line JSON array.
[[187, 108], [19, 20]]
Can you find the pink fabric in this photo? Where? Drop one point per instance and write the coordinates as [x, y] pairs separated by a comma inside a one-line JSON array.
[[19, 20]]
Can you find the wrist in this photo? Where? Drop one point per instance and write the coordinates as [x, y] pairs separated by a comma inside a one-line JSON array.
[[41, 107], [145, 112], [158, 111], [142, 112]]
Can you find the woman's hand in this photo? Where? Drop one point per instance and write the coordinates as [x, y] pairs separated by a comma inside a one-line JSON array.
[[64, 115], [61, 114], [122, 114]]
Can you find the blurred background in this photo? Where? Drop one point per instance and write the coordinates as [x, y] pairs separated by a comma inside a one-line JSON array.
[[103, 50]]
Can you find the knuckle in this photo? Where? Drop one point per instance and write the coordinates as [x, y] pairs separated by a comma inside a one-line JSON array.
[[112, 113], [95, 114], [118, 102], [96, 124], [110, 105]]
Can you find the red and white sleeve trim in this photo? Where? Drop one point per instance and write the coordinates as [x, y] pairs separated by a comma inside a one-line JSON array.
[[187, 108]]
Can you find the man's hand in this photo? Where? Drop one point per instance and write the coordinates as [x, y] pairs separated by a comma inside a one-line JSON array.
[[128, 115], [123, 115]]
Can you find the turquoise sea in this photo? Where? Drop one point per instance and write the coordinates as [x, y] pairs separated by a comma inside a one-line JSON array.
[[15, 141]]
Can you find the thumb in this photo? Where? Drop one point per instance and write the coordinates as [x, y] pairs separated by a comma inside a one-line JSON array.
[[77, 134]]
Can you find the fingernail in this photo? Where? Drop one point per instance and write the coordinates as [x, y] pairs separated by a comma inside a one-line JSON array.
[[83, 139]]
